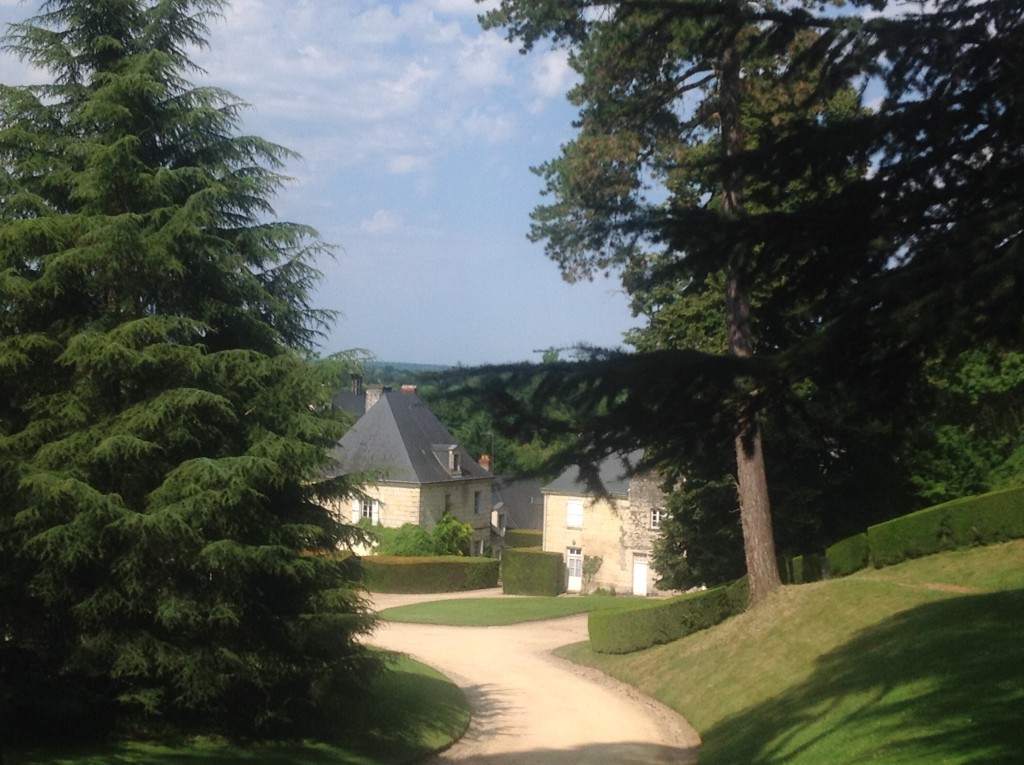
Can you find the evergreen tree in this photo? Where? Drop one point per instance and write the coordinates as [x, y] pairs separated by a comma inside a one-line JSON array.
[[844, 285], [163, 431]]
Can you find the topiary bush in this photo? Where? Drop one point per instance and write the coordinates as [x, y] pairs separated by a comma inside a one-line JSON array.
[[632, 630], [848, 555], [807, 568], [523, 538], [531, 571], [965, 522], [429, 574]]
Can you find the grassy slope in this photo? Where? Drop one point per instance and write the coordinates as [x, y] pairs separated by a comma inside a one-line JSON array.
[[489, 612], [415, 711], [921, 662]]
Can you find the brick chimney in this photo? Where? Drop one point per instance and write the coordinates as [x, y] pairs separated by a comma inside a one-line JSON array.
[[485, 462]]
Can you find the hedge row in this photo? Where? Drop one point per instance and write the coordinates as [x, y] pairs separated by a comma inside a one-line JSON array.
[[981, 520], [848, 555], [523, 538], [531, 571], [449, 573], [631, 630], [965, 522]]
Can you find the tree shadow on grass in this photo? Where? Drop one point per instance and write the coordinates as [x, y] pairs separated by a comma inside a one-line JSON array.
[[942, 682]]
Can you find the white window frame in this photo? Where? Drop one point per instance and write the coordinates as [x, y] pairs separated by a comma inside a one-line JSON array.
[[366, 508], [574, 561], [574, 514], [657, 516]]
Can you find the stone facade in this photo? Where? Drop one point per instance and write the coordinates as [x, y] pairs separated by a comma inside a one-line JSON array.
[[617, 529]]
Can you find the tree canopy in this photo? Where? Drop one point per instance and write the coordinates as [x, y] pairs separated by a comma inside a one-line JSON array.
[[163, 429], [717, 148]]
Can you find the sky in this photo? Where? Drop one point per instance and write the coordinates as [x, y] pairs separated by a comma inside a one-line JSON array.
[[417, 131]]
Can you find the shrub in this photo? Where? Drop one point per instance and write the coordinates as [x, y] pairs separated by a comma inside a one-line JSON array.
[[523, 537], [408, 540], [983, 519], [631, 629], [433, 574], [848, 555], [531, 571], [449, 537], [807, 568]]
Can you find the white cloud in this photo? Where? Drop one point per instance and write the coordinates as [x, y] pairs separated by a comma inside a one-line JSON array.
[[382, 222], [552, 75], [403, 164]]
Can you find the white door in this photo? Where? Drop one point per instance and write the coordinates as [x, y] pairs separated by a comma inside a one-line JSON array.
[[639, 573], [574, 565]]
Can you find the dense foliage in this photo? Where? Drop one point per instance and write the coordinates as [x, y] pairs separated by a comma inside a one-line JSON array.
[[721, 166], [450, 536], [162, 430]]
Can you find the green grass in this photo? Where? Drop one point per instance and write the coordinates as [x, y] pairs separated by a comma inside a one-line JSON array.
[[918, 663], [490, 612], [415, 711]]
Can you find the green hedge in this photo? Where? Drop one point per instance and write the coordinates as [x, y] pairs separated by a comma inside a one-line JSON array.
[[807, 568], [631, 630], [523, 537], [531, 571], [449, 573], [965, 522], [848, 555]]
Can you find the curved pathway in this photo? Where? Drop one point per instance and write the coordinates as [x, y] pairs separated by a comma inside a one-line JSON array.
[[529, 706]]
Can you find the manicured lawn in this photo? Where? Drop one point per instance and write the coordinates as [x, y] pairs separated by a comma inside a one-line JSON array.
[[415, 711], [921, 662], [489, 612]]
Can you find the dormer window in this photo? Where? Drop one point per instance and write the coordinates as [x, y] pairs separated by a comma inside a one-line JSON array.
[[449, 456]]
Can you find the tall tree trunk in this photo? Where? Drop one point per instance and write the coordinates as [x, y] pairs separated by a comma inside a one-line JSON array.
[[751, 477]]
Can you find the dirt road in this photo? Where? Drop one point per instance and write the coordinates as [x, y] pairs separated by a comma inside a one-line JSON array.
[[530, 707]]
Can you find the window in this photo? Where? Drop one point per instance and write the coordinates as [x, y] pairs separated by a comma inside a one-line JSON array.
[[447, 502], [454, 461], [368, 509], [574, 514], [657, 516], [478, 547], [478, 502]]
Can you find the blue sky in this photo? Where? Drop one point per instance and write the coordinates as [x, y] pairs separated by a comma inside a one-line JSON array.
[[417, 131]]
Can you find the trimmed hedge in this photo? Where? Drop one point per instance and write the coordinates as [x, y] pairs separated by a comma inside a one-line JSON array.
[[965, 522], [531, 571], [523, 537], [807, 568], [448, 573], [634, 629], [848, 555]]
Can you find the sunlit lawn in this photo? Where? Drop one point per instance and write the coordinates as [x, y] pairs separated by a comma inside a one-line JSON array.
[[480, 612], [414, 711], [917, 663]]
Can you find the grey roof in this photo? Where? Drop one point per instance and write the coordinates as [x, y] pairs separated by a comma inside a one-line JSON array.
[[401, 441], [612, 472], [521, 501]]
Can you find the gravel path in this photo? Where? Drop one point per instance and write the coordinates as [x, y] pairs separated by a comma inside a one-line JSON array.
[[529, 706]]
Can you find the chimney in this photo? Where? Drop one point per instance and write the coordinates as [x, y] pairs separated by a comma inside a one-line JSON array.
[[485, 462], [357, 383], [373, 394], [408, 389]]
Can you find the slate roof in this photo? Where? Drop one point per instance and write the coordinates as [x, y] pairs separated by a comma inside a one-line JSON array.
[[612, 472], [521, 501], [402, 441]]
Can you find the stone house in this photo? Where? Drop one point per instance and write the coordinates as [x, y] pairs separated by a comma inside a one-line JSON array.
[[414, 469], [616, 530]]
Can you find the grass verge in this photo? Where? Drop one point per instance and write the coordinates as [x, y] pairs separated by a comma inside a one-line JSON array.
[[490, 612], [920, 662], [414, 711]]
